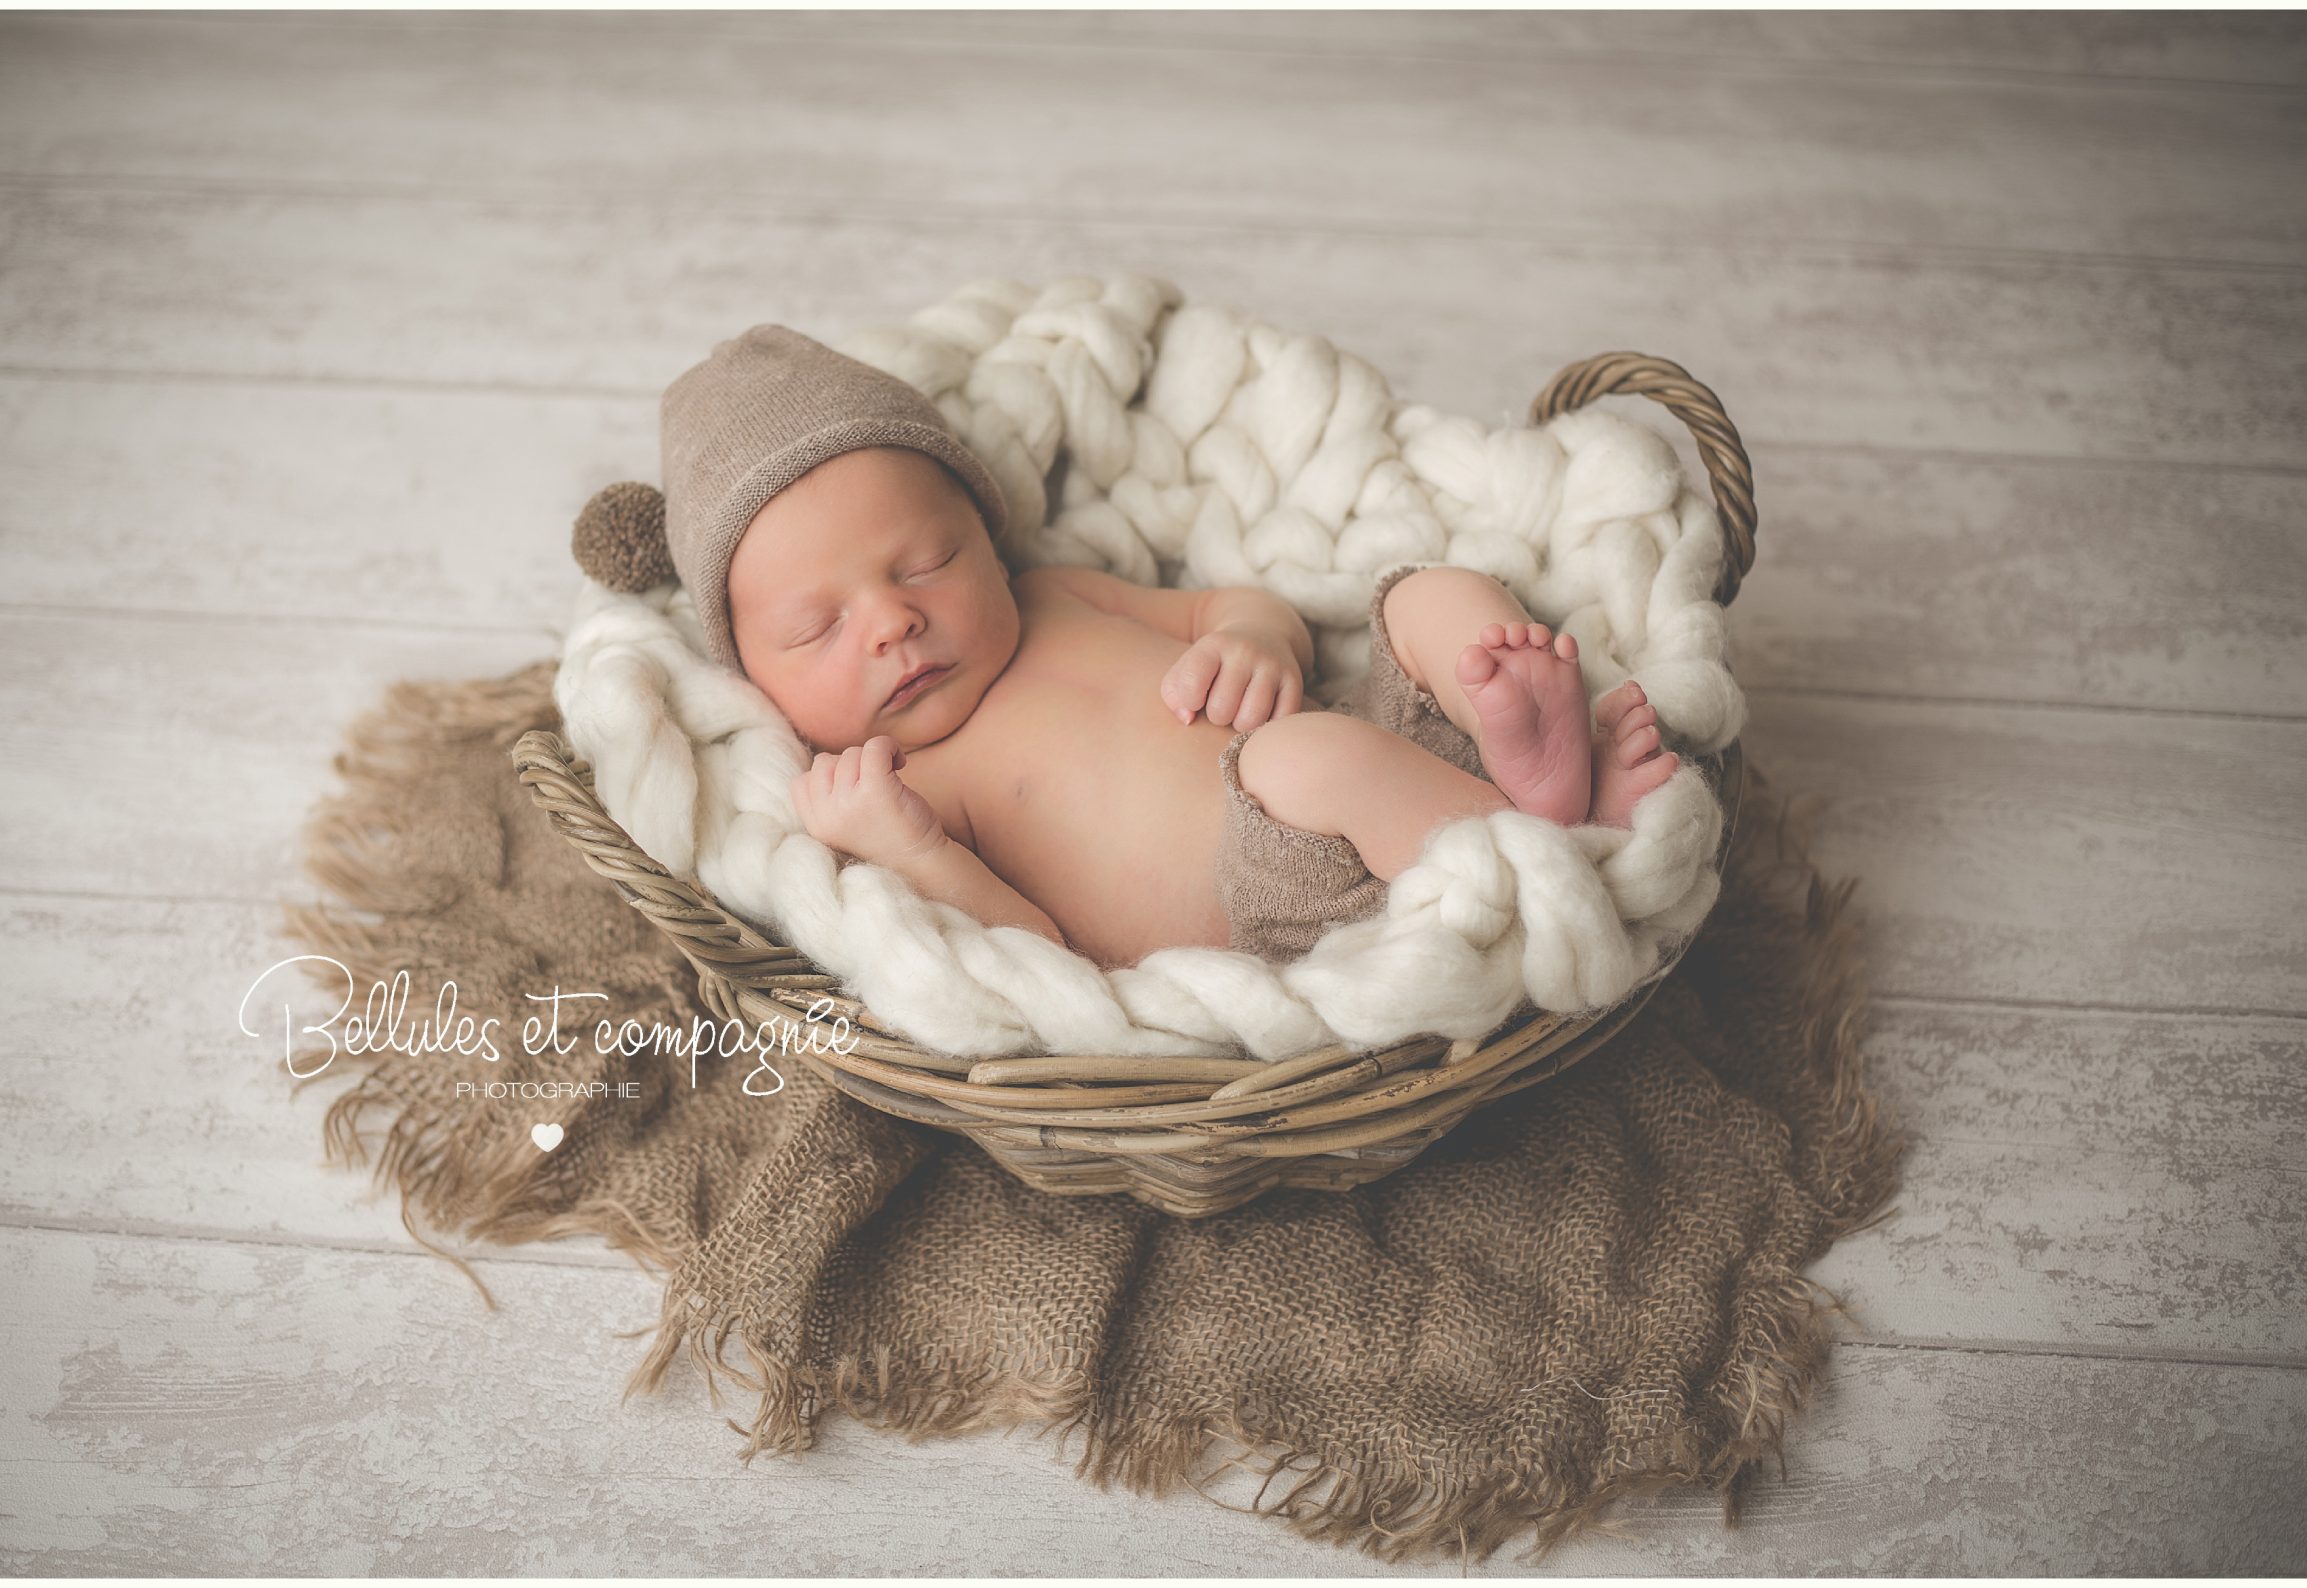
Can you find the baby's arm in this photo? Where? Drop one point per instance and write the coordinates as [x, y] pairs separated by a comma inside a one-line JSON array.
[[952, 873], [855, 802], [1247, 650]]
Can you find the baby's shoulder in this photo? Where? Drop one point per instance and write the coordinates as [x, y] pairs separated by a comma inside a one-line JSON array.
[[1046, 586], [1096, 593]]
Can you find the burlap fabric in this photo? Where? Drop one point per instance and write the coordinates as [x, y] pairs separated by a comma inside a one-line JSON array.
[[1589, 1290]]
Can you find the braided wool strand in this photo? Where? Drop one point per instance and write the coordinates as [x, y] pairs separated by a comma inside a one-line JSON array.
[[1189, 445]]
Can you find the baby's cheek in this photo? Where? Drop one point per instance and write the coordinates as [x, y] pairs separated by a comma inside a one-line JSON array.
[[812, 713], [780, 693], [760, 679]]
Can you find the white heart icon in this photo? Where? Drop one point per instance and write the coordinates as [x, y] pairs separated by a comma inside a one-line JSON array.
[[547, 1137]]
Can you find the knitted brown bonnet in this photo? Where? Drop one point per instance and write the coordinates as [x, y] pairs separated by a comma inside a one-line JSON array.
[[762, 410]]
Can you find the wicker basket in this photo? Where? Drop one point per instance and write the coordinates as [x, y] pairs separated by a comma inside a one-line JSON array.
[[1192, 1136]]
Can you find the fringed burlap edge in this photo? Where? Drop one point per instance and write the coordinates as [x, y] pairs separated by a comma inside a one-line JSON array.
[[498, 1196], [1394, 1517], [1778, 1352]]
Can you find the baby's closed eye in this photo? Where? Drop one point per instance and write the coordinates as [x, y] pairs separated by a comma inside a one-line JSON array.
[[818, 630]]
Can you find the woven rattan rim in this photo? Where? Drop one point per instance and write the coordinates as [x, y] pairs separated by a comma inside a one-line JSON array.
[[1664, 381], [1190, 1134]]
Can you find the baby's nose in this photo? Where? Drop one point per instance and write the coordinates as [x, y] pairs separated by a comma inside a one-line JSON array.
[[895, 623]]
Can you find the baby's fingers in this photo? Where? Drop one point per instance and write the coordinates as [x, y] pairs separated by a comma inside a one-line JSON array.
[[881, 756], [1188, 682], [1228, 693], [1257, 707], [1292, 697], [811, 786]]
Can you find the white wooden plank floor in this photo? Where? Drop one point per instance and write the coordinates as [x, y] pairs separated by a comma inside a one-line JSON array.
[[316, 329]]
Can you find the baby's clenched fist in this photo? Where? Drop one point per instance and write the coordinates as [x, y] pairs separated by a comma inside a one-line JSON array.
[[1240, 678], [855, 802]]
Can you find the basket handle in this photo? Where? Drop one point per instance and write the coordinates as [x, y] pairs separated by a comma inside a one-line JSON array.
[[1664, 381], [711, 937]]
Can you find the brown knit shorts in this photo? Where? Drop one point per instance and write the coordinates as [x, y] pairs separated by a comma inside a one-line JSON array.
[[1282, 887]]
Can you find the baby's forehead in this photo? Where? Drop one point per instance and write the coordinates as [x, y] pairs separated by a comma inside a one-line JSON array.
[[899, 477], [848, 520]]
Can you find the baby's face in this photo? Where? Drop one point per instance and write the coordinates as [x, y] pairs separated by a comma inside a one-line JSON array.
[[868, 566]]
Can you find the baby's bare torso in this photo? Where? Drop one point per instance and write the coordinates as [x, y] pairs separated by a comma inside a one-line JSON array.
[[1078, 787]]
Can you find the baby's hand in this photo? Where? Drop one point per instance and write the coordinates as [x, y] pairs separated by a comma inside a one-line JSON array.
[[1244, 677], [855, 802]]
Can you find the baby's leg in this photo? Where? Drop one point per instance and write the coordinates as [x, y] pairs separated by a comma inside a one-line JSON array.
[[1513, 687], [1329, 773]]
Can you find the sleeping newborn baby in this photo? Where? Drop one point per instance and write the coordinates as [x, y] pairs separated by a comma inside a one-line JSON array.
[[1120, 768]]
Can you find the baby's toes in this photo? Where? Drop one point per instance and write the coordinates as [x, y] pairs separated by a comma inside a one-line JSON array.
[[1492, 634], [1476, 666], [1636, 745], [1634, 720], [1616, 704], [1566, 647]]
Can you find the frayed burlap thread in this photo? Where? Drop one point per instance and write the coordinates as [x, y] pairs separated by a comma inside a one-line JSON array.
[[1591, 1290]]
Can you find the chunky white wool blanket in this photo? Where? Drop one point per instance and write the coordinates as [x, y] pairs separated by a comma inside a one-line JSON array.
[[1201, 448]]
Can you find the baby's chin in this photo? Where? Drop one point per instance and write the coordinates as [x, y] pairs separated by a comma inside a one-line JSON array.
[[918, 729], [831, 739]]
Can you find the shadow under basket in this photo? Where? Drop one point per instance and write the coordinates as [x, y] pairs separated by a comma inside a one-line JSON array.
[[1191, 1136]]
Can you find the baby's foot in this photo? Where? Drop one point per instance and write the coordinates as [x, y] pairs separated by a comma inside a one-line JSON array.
[[1627, 761], [1525, 687]]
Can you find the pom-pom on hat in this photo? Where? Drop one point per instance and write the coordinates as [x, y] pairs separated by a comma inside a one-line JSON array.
[[762, 410]]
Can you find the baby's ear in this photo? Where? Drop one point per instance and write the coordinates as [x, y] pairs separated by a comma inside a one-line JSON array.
[[620, 538]]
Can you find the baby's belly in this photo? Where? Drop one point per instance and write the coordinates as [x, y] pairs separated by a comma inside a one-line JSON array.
[[1116, 835]]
